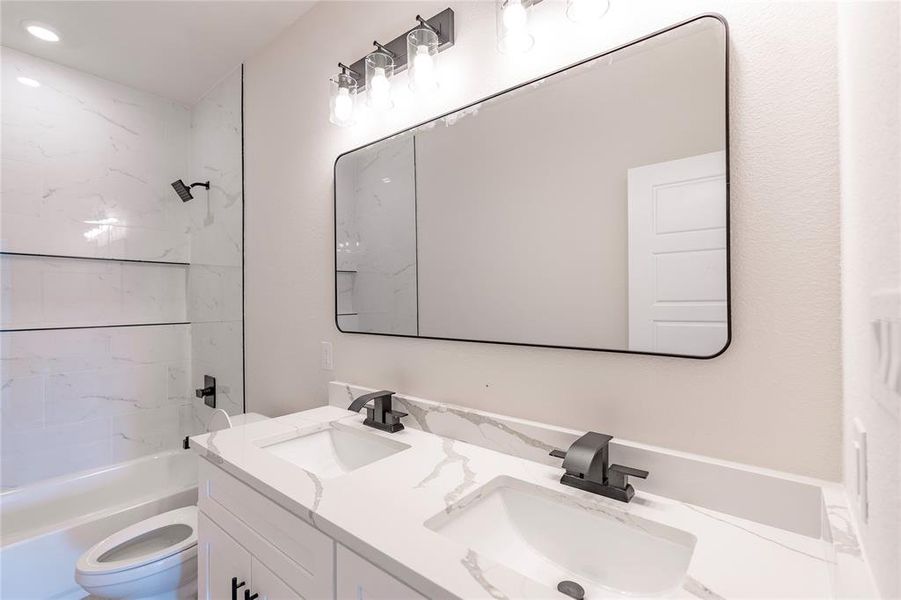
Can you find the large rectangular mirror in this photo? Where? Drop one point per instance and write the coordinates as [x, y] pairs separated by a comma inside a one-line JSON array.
[[587, 209]]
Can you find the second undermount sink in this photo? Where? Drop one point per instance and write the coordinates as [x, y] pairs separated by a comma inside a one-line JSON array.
[[333, 450], [552, 538]]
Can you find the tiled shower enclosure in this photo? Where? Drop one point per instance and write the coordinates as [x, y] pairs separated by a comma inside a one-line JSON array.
[[117, 297]]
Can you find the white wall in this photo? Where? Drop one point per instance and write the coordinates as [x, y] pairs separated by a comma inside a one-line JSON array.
[[870, 82], [773, 399]]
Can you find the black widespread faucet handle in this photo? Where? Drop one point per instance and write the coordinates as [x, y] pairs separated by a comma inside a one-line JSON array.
[[394, 416], [557, 453], [618, 475], [630, 471]]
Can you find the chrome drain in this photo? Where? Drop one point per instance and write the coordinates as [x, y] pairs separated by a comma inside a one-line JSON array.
[[571, 589]]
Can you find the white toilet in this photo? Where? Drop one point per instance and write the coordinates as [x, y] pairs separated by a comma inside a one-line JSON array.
[[155, 558]]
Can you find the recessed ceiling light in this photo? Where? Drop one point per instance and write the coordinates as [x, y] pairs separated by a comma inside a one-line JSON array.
[[28, 81], [42, 32]]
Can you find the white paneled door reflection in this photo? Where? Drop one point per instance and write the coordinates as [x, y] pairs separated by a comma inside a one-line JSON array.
[[677, 256]]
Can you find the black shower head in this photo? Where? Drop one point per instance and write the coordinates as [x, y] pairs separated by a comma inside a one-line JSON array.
[[184, 191]]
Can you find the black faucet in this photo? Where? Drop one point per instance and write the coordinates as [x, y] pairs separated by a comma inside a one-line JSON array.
[[586, 464], [379, 415], [208, 392]]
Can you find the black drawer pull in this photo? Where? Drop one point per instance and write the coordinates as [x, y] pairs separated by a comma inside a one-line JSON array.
[[235, 586]]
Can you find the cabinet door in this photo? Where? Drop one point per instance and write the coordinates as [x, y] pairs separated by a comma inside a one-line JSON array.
[[359, 579], [268, 585], [220, 559]]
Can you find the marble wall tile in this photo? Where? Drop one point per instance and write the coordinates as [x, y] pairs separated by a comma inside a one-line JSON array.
[[17, 470], [179, 383], [46, 352], [61, 292], [22, 404], [87, 165], [214, 293], [138, 434], [216, 349], [193, 418], [84, 398], [216, 224], [32, 455], [56, 437], [142, 345], [74, 397]]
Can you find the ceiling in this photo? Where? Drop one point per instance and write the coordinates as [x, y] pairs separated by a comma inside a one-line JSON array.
[[178, 49]]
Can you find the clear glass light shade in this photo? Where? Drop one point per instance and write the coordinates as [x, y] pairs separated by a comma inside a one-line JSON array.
[[379, 71], [342, 99], [422, 60], [581, 11], [513, 35]]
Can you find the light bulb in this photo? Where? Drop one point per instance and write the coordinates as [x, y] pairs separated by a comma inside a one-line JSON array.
[[344, 105], [513, 33], [423, 69], [515, 17], [380, 90]]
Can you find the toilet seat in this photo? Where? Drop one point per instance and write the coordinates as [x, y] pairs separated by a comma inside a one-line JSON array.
[[171, 537]]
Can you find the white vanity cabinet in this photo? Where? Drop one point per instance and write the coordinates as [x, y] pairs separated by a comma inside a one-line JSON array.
[[359, 579], [222, 562], [249, 545], [228, 570]]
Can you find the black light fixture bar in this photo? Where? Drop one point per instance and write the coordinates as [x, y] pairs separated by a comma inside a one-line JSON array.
[[442, 24]]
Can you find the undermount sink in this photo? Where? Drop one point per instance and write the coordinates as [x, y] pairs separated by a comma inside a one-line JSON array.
[[553, 537], [333, 450]]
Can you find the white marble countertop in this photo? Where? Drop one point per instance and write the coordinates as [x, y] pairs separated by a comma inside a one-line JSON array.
[[733, 557]]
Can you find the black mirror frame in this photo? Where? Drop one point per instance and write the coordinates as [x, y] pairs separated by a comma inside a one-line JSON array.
[[728, 343]]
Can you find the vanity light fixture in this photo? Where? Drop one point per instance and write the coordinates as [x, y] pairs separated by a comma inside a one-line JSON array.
[[379, 71], [513, 35], [581, 11], [41, 31], [343, 96], [417, 48], [422, 46]]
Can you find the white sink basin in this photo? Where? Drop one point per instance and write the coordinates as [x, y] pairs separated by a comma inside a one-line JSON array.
[[552, 537], [332, 451]]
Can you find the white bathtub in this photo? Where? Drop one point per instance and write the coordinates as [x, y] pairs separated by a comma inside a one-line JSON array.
[[45, 527]]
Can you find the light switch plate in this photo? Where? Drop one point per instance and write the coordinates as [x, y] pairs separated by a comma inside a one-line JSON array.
[[885, 353], [326, 356], [859, 444]]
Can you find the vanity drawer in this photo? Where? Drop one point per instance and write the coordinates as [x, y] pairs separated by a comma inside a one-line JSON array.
[[301, 555]]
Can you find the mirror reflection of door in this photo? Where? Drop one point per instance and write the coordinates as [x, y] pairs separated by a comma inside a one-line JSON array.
[[677, 256]]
